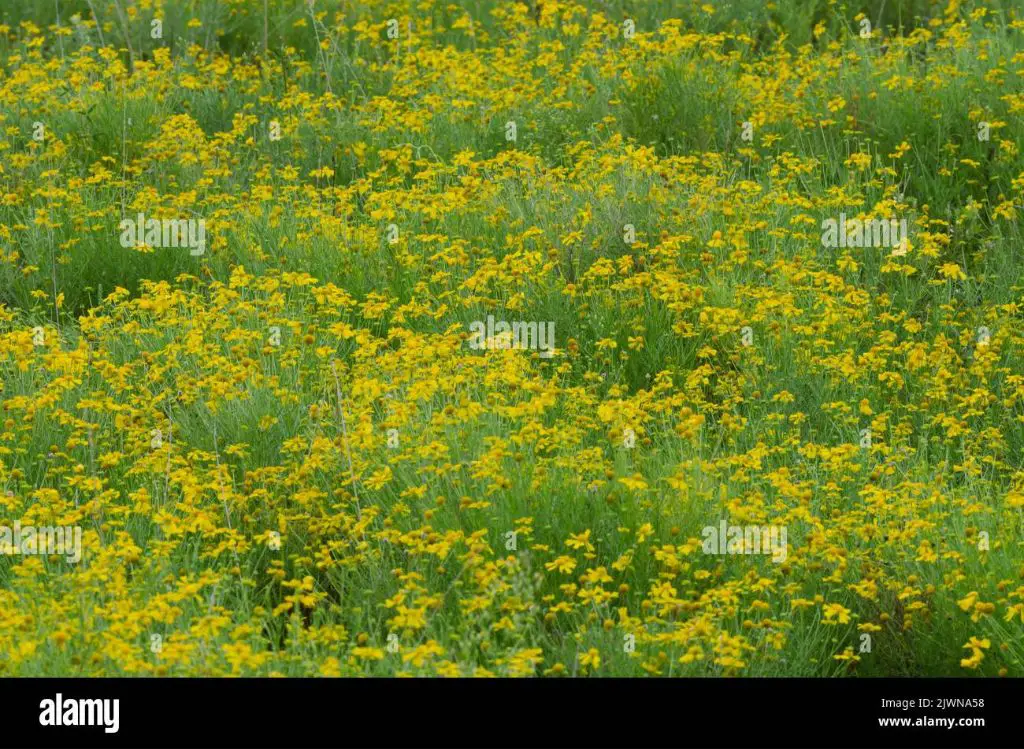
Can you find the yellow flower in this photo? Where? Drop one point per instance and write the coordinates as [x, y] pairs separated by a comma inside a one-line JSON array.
[[330, 667], [976, 647], [835, 613], [952, 271], [967, 602], [580, 541], [368, 653], [591, 659], [562, 564]]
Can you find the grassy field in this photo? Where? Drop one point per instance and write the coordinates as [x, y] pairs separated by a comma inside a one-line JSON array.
[[291, 450]]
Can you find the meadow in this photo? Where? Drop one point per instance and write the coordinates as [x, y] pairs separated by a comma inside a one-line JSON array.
[[306, 445]]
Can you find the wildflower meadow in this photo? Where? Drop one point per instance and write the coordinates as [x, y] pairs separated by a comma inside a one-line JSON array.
[[593, 338]]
